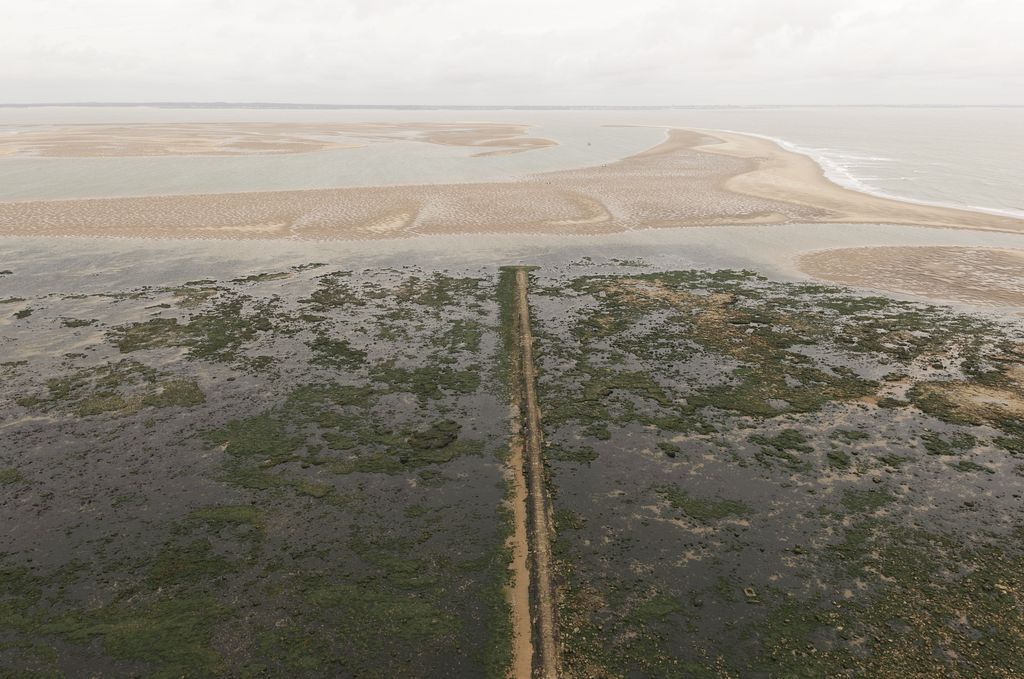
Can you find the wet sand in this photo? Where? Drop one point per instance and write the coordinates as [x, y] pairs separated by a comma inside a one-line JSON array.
[[978, 276], [693, 178]]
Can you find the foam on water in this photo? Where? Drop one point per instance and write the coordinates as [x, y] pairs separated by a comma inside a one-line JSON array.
[[847, 169]]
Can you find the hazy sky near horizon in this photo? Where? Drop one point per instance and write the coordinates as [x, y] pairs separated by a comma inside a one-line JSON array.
[[494, 52]]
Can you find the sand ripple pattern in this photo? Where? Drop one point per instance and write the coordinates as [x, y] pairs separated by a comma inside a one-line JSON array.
[[692, 178]]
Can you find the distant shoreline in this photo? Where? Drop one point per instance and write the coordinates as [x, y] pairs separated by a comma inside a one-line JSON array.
[[477, 107]]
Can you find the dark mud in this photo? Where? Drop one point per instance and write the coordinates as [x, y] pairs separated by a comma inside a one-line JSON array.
[[762, 480], [293, 473]]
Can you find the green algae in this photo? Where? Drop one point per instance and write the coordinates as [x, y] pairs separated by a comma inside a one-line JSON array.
[[100, 404], [219, 333], [428, 383], [10, 476], [382, 425], [221, 516], [776, 356], [172, 636], [849, 435], [970, 467], [264, 436], [189, 297], [312, 489], [865, 501], [78, 322], [439, 290], [953, 444], [334, 292], [262, 277], [838, 459], [438, 435], [924, 594], [188, 563], [670, 449], [276, 550], [701, 509], [399, 460], [575, 454], [272, 438], [1013, 445], [782, 447], [180, 392], [121, 388], [156, 332], [463, 335], [336, 353]]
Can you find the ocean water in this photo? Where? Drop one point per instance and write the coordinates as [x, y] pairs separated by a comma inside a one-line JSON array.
[[962, 157]]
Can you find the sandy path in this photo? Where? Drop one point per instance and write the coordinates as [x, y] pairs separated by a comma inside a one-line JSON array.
[[518, 592], [536, 517]]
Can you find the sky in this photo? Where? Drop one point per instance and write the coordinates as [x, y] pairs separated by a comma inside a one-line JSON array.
[[514, 52]]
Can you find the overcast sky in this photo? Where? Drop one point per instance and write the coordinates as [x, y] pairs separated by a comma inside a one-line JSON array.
[[550, 52]]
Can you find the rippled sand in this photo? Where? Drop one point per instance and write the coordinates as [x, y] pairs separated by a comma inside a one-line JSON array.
[[219, 139], [692, 178], [983, 276]]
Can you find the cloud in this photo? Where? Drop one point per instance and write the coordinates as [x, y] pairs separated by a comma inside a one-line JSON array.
[[500, 52]]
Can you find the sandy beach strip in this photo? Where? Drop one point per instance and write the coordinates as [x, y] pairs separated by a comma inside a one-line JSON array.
[[692, 178]]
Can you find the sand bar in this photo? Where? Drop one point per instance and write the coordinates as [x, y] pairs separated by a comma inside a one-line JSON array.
[[979, 276], [233, 139], [693, 178]]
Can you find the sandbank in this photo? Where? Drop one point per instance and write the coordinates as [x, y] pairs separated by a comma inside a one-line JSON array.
[[974, 275], [692, 178], [219, 139]]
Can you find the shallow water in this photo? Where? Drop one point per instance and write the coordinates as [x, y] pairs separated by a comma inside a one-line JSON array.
[[93, 265], [379, 164]]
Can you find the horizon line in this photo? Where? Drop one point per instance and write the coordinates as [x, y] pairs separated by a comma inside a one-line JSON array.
[[609, 107]]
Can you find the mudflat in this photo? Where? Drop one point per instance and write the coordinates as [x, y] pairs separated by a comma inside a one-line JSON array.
[[980, 276]]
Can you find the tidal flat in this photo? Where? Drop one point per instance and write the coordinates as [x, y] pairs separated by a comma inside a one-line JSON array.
[[294, 472], [301, 470], [762, 480]]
